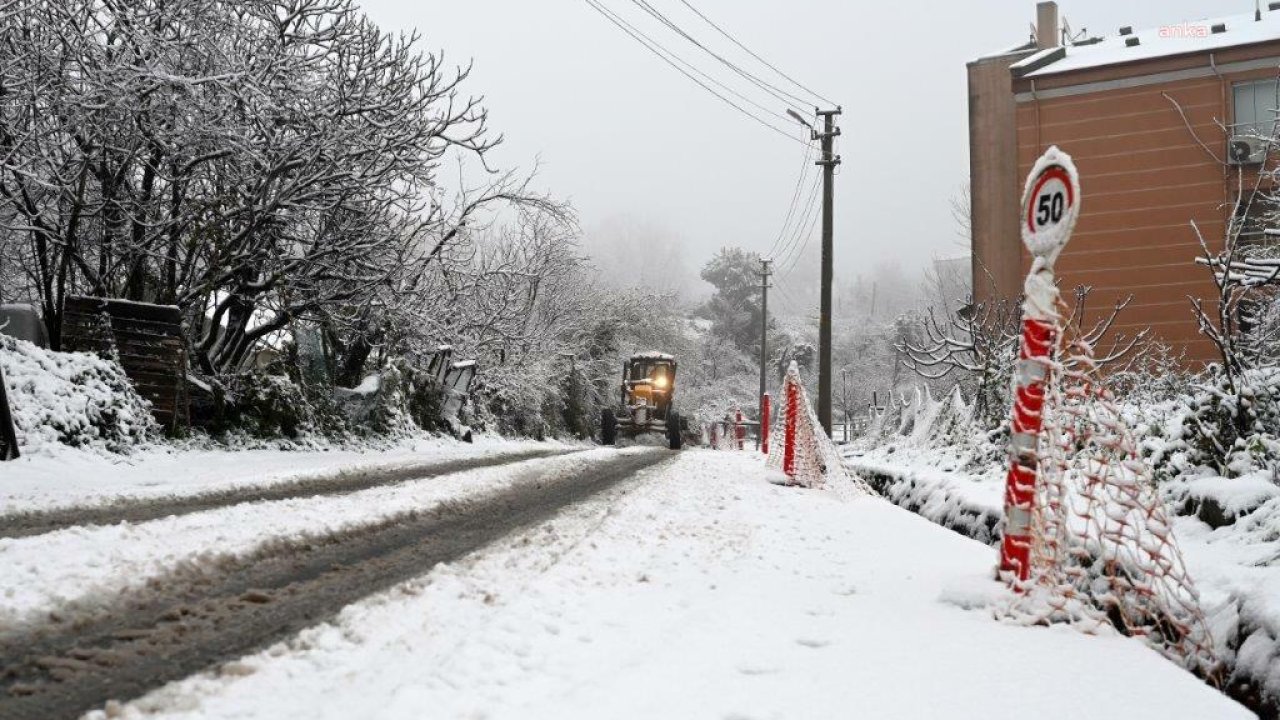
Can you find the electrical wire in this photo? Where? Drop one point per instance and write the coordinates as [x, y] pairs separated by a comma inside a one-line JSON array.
[[766, 63], [799, 104], [808, 235], [799, 306], [694, 68], [671, 59], [787, 256], [791, 252], [795, 199], [786, 253]]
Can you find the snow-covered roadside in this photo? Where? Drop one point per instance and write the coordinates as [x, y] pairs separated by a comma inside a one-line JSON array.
[[77, 570], [958, 502], [77, 478], [1236, 567], [702, 592]]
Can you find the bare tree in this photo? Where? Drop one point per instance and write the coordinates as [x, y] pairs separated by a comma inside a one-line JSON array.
[[253, 161], [980, 342]]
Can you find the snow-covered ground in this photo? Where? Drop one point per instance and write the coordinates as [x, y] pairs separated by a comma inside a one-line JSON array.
[[1236, 567], [77, 570], [71, 477], [699, 591]]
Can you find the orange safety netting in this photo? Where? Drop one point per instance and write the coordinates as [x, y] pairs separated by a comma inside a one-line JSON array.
[[798, 446], [1102, 549]]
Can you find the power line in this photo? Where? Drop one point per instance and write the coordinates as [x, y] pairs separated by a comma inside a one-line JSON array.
[[795, 198], [777, 92], [671, 59], [792, 230], [808, 235], [766, 63], [694, 68], [800, 306], [785, 254], [789, 253]]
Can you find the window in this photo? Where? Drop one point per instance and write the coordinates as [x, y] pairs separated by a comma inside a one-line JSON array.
[[1256, 102], [1251, 220]]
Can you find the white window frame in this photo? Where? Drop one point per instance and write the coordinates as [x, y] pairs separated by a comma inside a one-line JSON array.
[[1254, 104]]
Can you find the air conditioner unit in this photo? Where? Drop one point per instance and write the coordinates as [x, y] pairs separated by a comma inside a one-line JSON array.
[[1242, 150]]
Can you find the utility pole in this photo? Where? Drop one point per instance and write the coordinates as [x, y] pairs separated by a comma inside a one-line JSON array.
[[764, 342], [828, 163]]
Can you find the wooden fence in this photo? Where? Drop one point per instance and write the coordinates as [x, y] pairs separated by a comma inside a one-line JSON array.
[[146, 340]]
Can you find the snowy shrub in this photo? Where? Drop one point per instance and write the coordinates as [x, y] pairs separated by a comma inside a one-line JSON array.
[[265, 405], [74, 399], [1234, 432], [423, 399], [1158, 376], [404, 399], [523, 405]]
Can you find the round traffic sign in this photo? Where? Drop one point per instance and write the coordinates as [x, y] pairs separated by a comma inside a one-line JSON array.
[[1050, 205]]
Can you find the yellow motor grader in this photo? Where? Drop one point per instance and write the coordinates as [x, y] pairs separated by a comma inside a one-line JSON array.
[[647, 411]]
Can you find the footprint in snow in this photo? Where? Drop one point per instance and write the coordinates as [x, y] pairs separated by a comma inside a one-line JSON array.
[[754, 669], [812, 642]]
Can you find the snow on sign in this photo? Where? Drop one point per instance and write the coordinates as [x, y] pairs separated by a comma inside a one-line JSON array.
[[1050, 205]]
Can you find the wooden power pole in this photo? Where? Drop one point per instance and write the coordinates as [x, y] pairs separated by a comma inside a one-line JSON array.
[[764, 343], [828, 162]]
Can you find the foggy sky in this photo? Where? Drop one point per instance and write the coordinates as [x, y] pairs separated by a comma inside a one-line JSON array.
[[633, 143]]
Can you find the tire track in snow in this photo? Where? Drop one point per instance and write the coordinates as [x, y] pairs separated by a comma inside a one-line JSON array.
[[192, 620], [136, 510]]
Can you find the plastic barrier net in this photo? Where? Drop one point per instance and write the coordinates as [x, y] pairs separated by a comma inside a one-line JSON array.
[[797, 444], [1102, 552], [723, 435]]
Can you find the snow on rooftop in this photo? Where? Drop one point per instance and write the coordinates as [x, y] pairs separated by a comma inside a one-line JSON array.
[[652, 355], [1189, 36], [1020, 47]]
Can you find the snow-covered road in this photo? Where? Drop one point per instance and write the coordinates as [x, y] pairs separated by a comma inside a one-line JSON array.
[[698, 591], [78, 572]]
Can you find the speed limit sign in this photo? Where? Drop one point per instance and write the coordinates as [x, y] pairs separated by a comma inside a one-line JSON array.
[[1050, 205]]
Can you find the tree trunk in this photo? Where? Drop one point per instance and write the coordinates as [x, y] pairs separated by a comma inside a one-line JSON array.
[[351, 364]]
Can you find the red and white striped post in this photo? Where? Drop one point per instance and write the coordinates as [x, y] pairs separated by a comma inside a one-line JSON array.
[[764, 424], [789, 429], [1051, 204], [739, 430]]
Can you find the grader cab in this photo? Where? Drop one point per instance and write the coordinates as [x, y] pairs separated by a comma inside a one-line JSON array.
[[647, 411]]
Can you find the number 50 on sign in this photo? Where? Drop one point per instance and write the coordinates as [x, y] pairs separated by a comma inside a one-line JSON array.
[[1050, 205]]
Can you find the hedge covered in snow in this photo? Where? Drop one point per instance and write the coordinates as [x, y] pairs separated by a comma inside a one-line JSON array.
[[1216, 458], [72, 399]]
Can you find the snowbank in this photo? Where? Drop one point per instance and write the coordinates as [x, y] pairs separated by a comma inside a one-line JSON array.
[[955, 502], [72, 399], [1227, 532]]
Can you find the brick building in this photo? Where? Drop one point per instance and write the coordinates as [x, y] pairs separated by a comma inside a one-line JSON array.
[[1143, 114]]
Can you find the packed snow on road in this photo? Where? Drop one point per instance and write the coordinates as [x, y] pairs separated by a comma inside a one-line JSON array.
[[695, 588], [318, 401]]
